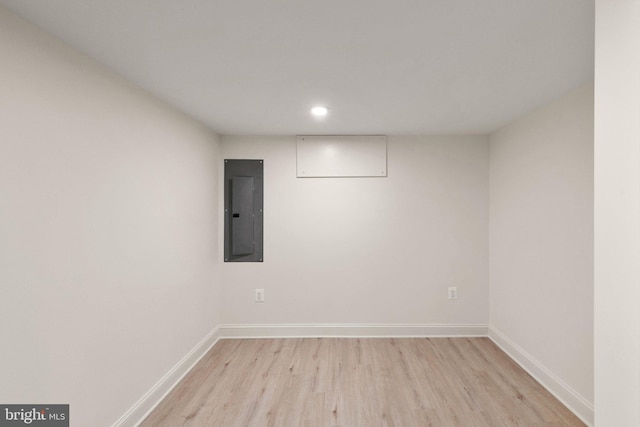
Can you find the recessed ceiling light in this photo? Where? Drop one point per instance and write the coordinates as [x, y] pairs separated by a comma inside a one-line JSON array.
[[319, 111]]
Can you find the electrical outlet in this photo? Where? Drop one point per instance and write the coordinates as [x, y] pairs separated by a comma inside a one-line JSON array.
[[259, 295], [453, 292]]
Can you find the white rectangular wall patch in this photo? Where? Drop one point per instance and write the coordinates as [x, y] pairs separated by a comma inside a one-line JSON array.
[[341, 156]]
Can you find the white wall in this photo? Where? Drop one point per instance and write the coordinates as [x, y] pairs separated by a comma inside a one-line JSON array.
[[368, 250], [108, 231], [541, 239], [617, 213]]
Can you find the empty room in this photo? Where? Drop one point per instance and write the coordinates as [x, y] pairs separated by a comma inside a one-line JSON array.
[[333, 213]]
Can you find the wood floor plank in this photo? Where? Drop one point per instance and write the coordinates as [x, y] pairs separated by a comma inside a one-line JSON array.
[[351, 382]]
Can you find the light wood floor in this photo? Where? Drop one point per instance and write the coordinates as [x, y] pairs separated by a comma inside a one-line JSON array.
[[359, 383]]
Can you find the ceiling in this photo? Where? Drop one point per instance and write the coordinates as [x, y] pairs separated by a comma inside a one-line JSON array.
[[381, 66]]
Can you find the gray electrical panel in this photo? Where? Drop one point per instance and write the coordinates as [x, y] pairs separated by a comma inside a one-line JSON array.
[[243, 210]]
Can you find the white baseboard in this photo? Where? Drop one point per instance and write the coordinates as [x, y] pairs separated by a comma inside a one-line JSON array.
[[143, 407], [582, 408], [569, 397], [351, 331]]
